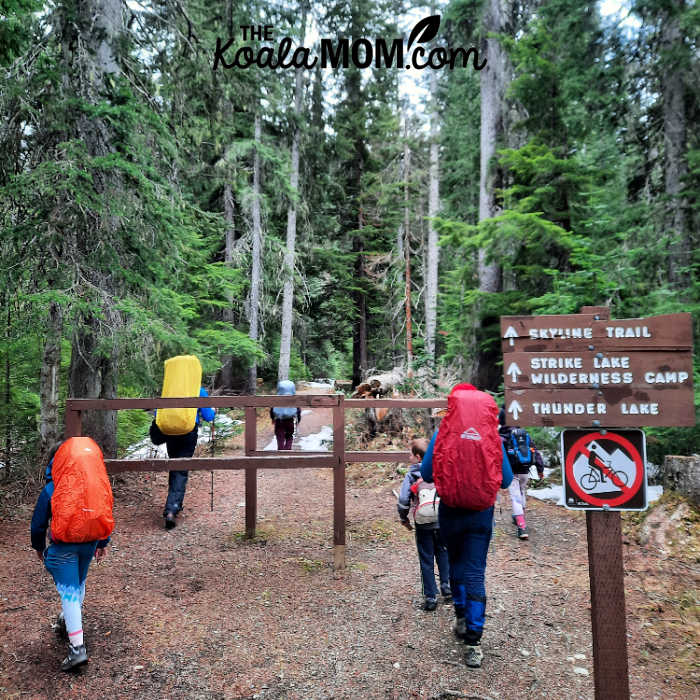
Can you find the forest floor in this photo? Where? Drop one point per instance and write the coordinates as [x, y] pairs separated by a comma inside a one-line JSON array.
[[200, 612]]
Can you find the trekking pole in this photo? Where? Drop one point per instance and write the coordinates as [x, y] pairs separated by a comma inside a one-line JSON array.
[[211, 439]]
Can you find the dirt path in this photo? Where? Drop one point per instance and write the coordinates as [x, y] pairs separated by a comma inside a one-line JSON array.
[[198, 612]]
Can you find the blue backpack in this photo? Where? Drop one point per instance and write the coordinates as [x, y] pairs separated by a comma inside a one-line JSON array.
[[520, 454]]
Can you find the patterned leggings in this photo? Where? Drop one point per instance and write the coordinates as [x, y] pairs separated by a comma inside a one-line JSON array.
[[68, 564]]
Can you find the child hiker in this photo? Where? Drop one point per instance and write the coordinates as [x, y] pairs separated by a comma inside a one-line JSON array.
[[75, 508], [419, 497], [522, 454]]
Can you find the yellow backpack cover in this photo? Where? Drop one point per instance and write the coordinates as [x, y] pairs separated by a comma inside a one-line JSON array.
[[182, 377]]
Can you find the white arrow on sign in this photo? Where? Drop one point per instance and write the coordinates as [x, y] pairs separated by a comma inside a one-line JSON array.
[[514, 371], [510, 334], [515, 408]]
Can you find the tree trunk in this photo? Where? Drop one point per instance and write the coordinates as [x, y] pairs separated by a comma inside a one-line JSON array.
[[359, 337], [229, 212], [256, 265], [49, 428], [91, 36], [288, 293], [494, 80], [675, 166], [407, 254], [8, 390], [433, 252]]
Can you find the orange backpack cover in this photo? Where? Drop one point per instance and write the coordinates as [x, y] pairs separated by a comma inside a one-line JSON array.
[[81, 505]]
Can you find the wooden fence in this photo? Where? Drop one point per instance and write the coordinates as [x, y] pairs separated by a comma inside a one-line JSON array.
[[253, 458]]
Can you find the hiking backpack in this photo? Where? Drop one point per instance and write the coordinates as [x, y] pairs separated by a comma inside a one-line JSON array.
[[425, 510], [468, 454], [81, 504], [182, 377], [520, 453], [285, 387]]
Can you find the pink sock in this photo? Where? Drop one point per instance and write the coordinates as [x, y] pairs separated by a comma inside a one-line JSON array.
[[520, 521]]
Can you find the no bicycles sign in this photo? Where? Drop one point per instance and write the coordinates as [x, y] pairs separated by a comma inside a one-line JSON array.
[[604, 469]]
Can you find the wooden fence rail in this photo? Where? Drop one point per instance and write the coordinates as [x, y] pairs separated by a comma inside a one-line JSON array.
[[255, 459]]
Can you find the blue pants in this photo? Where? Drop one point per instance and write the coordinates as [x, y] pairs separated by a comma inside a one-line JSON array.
[[178, 446], [467, 534], [431, 548], [68, 564]]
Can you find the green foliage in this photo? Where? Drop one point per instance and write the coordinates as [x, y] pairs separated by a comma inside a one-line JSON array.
[[129, 240]]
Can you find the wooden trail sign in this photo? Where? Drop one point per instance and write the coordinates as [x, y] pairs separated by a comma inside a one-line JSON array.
[[589, 371], [581, 370]]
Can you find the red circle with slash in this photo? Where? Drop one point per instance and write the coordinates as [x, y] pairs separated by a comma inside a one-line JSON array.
[[628, 492]]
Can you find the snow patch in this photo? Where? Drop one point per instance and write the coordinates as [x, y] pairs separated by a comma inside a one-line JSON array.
[[552, 493], [317, 442], [654, 493], [145, 449]]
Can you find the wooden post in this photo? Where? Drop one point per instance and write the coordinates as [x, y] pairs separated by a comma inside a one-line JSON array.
[[251, 474], [339, 484], [608, 620], [73, 422]]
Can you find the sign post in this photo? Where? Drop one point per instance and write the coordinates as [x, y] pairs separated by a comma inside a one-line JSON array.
[[589, 372]]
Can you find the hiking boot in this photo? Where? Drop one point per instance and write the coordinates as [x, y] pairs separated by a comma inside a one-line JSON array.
[[59, 627], [447, 597], [473, 655], [522, 533], [430, 604], [76, 657], [460, 627], [169, 520]]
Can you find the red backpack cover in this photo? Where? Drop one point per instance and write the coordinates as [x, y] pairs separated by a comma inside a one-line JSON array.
[[468, 456], [81, 504]]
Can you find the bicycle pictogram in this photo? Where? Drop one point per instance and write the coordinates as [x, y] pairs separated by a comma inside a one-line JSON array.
[[604, 469]]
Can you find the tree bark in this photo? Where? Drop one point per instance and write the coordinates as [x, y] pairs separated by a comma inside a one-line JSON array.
[[675, 166], [433, 252], [289, 257], [229, 246], [91, 32], [49, 428], [8, 389], [407, 254], [256, 267], [494, 81]]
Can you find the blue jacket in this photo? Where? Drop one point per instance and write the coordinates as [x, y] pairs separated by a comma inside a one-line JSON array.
[[426, 467], [42, 516]]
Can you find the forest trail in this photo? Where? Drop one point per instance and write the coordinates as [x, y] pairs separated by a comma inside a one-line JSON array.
[[198, 612]]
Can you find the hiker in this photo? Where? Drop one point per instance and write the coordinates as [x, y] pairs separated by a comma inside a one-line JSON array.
[[420, 498], [179, 446], [178, 427], [77, 483], [283, 416], [468, 463], [522, 454]]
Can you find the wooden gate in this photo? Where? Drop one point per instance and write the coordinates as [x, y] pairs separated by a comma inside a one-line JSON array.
[[255, 459]]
